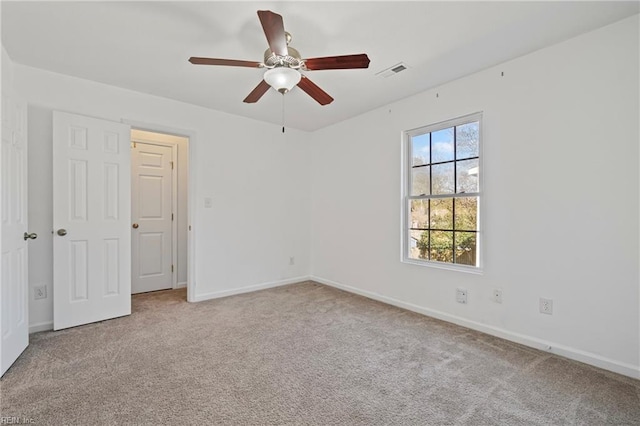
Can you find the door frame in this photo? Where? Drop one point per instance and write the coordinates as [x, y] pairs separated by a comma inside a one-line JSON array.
[[191, 137], [174, 202]]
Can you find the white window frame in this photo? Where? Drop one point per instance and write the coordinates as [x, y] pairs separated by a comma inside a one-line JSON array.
[[405, 199]]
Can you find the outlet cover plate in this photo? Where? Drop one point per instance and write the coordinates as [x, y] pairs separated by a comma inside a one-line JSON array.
[[461, 295], [546, 306], [40, 292]]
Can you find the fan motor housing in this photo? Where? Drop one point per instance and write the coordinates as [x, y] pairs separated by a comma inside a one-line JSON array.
[[292, 60]]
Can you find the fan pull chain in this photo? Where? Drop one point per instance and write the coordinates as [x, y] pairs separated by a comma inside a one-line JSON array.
[[283, 113]]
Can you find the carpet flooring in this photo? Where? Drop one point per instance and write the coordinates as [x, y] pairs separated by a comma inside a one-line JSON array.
[[303, 354]]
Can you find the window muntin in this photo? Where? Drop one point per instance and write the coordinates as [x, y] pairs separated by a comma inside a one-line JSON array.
[[443, 193]]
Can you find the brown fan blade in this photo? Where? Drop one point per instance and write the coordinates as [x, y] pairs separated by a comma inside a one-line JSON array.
[[227, 62], [338, 62], [274, 30], [257, 93], [314, 91]]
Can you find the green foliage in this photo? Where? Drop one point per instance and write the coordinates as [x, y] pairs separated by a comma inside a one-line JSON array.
[[437, 244], [423, 244], [441, 247]]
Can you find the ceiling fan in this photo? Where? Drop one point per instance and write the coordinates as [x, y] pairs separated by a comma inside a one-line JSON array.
[[284, 63]]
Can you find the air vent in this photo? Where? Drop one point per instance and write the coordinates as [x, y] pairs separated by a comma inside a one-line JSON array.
[[393, 70]]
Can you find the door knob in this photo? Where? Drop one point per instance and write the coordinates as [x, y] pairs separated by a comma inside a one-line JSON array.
[[31, 236], [62, 232], [135, 226]]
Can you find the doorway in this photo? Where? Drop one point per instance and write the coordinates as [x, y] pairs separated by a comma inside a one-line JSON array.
[[159, 211], [92, 217]]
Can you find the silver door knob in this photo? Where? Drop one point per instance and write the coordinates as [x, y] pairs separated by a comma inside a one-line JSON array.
[[62, 232], [31, 236], [135, 226]]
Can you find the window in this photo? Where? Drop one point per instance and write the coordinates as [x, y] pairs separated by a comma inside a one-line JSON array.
[[442, 194]]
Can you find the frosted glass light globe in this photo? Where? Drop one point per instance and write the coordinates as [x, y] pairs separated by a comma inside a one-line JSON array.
[[282, 78]]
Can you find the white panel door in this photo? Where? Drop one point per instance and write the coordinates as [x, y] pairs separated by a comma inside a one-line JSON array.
[[91, 219], [13, 264], [151, 213]]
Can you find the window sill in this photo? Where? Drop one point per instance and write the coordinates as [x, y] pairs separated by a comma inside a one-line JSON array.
[[446, 266]]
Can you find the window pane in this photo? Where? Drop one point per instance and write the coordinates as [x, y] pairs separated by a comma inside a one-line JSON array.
[[419, 216], [466, 214], [442, 246], [466, 248], [467, 175], [467, 137], [441, 213], [442, 175], [420, 184], [420, 150], [418, 244], [442, 145], [442, 193]]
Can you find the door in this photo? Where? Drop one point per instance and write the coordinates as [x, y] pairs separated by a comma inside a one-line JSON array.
[[91, 219], [13, 264], [151, 215]]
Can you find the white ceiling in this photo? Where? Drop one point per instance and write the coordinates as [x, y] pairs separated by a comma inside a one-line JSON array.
[[144, 46]]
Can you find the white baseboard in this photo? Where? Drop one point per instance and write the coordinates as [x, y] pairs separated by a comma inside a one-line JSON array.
[[181, 285], [544, 345], [248, 289], [48, 325], [41, 326]]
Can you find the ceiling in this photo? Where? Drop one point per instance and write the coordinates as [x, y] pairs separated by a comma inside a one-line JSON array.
[[144, 46]]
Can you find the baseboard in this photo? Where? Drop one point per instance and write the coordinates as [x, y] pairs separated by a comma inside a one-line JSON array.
[[181, 285], [48, 325], [248, 289], [629, 370], [41, 326]]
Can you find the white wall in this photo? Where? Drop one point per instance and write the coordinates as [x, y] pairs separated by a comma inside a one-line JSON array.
[[257, 177], [6, 69], [561, 191]]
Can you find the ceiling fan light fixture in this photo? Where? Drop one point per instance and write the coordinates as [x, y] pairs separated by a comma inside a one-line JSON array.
[[282, 78], [283, 63]]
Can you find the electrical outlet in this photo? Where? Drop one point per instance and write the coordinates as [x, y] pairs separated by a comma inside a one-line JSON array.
[[461, 295], [292, 260], [496, 296], [40, 292], [546, 306]]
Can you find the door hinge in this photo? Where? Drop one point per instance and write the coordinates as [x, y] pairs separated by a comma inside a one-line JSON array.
[[171, 268], [172, 216], [171, 165], [133, 144]]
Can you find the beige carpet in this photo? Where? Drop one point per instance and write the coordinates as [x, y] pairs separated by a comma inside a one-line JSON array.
[[300, 354]]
